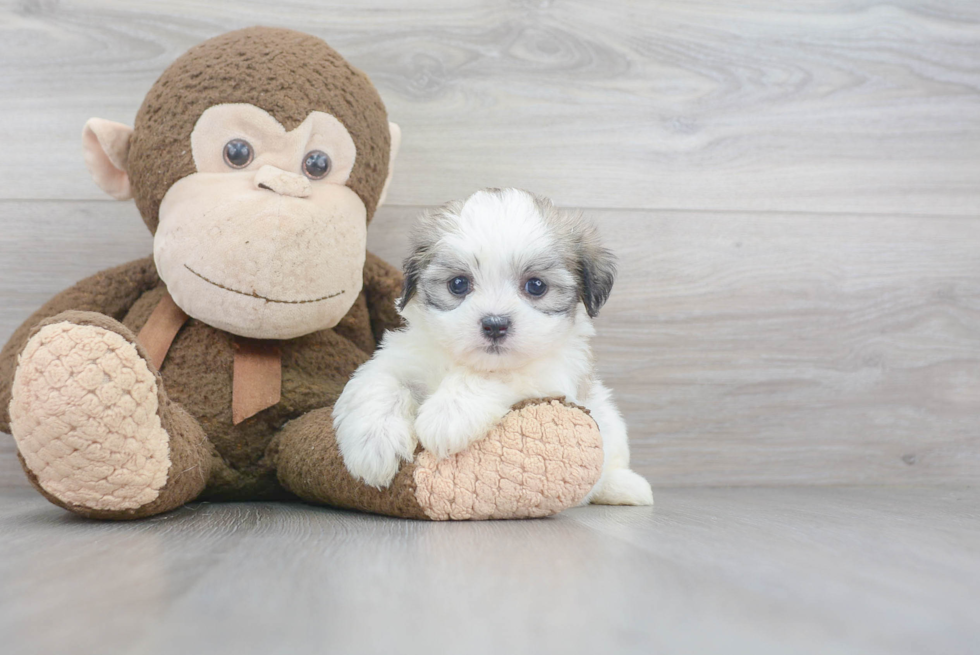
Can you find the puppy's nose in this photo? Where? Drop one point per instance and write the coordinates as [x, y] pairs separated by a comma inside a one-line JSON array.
[[495, 327]]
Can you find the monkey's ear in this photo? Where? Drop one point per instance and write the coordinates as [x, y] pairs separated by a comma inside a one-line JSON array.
[[396, 141], [106, 153]]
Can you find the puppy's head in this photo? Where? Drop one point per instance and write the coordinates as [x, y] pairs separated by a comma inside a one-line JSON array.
[[504, 277]]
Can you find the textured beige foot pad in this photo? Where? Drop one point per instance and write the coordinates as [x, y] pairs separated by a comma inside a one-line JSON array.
[[84, 415], [542, 458]]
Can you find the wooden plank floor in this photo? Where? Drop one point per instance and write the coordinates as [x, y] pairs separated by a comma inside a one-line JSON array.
[[751, 570], [707, 570]]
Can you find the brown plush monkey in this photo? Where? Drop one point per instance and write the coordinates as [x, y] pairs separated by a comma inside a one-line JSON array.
[[209, 370]]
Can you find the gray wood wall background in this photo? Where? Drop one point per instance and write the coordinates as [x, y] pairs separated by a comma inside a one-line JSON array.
[[793, 189]]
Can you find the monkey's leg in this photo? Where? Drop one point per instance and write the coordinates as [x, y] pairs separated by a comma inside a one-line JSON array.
[[542, 458], [95, 430]]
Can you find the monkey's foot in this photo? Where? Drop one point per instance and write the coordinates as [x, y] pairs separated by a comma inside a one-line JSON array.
[[85, 415], [542, 458]]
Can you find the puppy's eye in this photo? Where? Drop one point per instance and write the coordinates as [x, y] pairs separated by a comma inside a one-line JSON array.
[[316, 164], [535, 287], [238, 153], [458, 286]]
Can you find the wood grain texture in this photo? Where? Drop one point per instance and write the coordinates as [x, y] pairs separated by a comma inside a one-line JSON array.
[[743, 349], [846, 106], [805, 570]]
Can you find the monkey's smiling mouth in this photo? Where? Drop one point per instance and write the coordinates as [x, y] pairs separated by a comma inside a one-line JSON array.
[[255, 295]]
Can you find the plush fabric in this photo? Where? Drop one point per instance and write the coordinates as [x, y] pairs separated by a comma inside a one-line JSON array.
[[71, 457], [198, 371], [230, 273], [543, 457], [258, 264], [286, 73], [111, 292], [309, 465], [85, 410], [198, 374], [106, 155], [222, 123]]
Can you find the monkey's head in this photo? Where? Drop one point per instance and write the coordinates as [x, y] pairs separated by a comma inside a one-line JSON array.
[[256, 160]]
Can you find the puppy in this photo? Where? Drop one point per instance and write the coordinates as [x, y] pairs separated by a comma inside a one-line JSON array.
[[498, 298]]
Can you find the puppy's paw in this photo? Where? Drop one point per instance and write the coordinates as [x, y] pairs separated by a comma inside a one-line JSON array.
[[374, 448], [622, 487], [444, 428]]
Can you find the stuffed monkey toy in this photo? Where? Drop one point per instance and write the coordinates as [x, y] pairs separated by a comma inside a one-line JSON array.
[[209, 370]]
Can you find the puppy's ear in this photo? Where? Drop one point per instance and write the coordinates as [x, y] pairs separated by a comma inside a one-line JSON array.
[[597, 272], [412, 270]]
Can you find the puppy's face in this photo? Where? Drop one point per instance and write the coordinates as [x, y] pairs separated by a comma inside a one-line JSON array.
[[503, 277]]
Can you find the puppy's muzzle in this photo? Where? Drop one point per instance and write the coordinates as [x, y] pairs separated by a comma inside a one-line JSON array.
[[495, 327]]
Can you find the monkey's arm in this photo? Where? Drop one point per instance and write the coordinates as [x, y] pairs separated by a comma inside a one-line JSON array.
[[382, 287], [111, 292]]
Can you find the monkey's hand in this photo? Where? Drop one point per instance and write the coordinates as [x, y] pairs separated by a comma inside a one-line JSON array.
[[462, 410]]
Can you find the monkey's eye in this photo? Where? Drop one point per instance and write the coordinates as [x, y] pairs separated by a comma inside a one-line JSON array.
[[238, 153], [535, 287], [458, 286], [316, 164]]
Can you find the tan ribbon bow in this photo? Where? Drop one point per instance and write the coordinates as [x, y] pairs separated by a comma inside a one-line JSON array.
[[257, 374]]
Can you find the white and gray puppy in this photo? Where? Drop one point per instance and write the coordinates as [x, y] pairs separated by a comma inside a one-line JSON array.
[[499, 294]]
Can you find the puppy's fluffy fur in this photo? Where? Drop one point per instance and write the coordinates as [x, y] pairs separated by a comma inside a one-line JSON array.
[[482, 336]]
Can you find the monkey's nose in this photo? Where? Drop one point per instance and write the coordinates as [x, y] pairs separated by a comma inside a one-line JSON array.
[[282, 182], [495, 327]]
